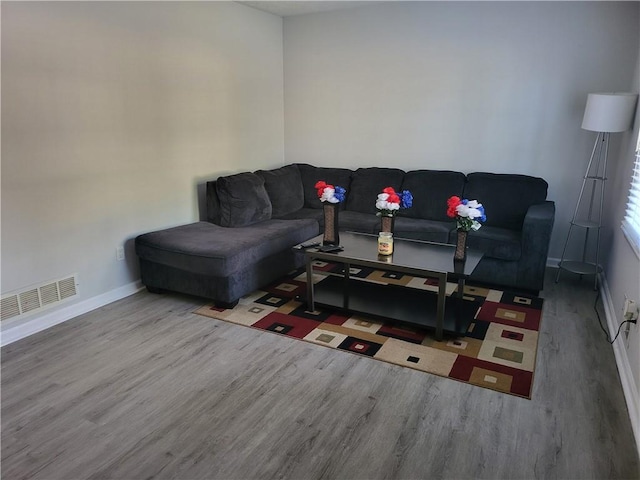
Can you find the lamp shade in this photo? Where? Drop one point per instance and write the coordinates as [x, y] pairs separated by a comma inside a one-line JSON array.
[[609, 112]]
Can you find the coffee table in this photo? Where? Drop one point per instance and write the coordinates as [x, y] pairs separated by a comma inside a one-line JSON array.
[[423, 308]]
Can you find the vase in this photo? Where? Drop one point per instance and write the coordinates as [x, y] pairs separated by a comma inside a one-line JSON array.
[[331, 235], [386, 223], [461, 245]]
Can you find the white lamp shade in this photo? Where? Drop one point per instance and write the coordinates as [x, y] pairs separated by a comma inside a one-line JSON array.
[[609, 112]]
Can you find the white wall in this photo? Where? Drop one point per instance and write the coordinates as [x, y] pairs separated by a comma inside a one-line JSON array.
[[113, 116], [623, 269], [469, 86]]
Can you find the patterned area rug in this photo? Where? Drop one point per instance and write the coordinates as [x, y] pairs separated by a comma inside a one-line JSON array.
[[498, 351]]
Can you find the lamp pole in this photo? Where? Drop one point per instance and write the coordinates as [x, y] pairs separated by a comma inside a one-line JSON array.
[[605, 113]]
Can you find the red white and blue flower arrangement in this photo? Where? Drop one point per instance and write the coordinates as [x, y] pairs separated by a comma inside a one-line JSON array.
[[331, 196], [330, 193], [390, 201], [468, 213]]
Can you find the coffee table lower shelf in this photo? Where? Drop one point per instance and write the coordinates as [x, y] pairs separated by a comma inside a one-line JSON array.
[[401, 304]]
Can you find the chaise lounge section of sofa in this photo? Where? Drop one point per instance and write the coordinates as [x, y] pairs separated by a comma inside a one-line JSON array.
[[255, 218]]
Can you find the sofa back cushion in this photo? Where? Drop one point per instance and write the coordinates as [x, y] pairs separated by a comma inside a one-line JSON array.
[[243, 200], [310, 175], [505, 197], [367, 183], [284, 187], [430, 190]]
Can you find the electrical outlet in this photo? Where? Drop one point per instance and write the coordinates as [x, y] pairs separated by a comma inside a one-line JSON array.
[[120, 253], [630, 310]]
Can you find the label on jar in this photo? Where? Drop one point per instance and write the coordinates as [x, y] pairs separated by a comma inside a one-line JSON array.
[[385, 244]]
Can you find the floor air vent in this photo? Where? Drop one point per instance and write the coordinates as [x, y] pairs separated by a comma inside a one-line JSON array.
[[35, 298]]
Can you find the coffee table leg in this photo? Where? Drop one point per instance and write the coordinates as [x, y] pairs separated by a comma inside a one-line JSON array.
[[442, 289], [345, 298], [310, 300]]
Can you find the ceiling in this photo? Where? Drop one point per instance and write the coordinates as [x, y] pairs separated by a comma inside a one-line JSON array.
[[291, 8]]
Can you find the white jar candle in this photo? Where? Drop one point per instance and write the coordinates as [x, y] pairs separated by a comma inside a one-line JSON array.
[[385, 243]]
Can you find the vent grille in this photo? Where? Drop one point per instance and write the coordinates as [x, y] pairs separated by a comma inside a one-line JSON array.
[[49, 293], [29, 300], [10, 307], [35, 298], [67, 287]]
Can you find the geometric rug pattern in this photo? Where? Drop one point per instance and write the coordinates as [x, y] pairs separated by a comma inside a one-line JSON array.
[[498, 351]]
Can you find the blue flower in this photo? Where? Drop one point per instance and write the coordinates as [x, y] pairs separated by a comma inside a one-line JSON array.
[[406, 198], [483, 217]]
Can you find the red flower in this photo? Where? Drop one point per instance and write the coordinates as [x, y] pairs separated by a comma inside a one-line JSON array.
[[452, 203], [393, 198], [320, 186]]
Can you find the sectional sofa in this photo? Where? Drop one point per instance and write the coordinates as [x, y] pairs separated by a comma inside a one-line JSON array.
[[255, 218]]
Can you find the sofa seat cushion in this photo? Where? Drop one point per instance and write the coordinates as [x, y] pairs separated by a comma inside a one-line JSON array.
[[428, 230], [430, 190], [243, 200], [311, 175], [217, 251], [495, 242], [284, 187], [367, 184]]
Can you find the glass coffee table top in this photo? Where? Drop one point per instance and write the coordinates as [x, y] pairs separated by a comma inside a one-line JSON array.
[[409, 254]]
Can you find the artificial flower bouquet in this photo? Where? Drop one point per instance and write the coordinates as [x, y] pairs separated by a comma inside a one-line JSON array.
[[330, 193], [468, 213], [390, 201]]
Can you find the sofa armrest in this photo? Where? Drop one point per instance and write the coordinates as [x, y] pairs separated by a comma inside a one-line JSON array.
[[536, 235]]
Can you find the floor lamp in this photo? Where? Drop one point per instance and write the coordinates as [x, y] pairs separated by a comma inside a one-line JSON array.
[[605, 113]]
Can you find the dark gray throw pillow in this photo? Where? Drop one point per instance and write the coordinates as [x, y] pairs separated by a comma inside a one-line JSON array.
[[243, 200], [284, 187]]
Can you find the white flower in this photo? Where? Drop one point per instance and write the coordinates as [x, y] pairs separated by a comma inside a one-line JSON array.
[[470, 210], [381, 203], [328, 195]]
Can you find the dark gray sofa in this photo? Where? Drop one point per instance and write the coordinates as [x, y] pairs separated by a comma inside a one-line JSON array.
[[253, 220]]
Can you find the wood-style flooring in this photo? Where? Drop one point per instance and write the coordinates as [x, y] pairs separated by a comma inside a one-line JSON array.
[[145, 389]]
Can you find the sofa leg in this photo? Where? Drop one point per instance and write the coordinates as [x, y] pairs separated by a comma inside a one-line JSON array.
[[154, 290], [226, 305]]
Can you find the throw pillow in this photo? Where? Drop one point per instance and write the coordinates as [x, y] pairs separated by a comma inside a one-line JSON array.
[[284, 187], [243, 200]]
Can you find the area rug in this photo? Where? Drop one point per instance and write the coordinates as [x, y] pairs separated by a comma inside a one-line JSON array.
[[498, 351]]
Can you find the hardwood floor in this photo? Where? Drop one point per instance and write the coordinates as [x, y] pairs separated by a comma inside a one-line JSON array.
[[145, 389]]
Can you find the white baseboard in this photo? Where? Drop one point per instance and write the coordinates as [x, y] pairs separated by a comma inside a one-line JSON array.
[[629, 387], [42, 322], [553, 262]]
